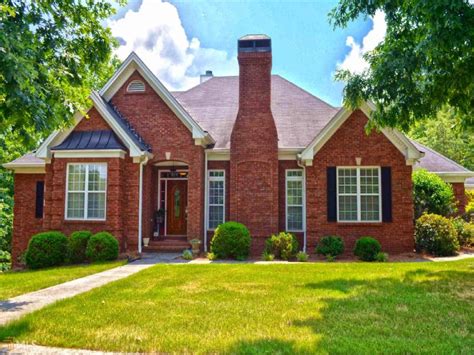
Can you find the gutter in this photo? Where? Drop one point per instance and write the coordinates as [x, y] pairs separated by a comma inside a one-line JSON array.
[[205, 201], [140, 205], [303, 166]]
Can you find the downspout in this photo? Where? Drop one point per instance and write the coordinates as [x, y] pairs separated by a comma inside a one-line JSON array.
[[205, 200], [301, 165], [140, 207]]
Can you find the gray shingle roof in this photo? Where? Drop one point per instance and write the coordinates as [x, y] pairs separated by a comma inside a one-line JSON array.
[[298, 115], [80, 140], [436, 162]]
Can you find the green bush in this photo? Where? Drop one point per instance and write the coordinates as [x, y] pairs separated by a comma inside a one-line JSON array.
[[5, 260], [231, 240], [283, 245], [381, 257], [211, 256], [465, 231], [77, 246], [330, 245], [46, 249], [432, 195], [102, 247], [187, 254], [266, 256], [436, 235], [302, 257], [367, 248]]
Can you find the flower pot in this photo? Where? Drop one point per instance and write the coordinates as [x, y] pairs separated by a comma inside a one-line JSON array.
[[195, 243], [146, 241]]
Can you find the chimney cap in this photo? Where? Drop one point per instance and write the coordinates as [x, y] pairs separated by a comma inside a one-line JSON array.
[[255, 43]]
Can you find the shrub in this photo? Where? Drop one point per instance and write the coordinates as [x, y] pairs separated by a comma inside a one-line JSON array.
[[266, 256], [431, 194], [302, 257], [436, 235], [77, 246], [102, 247], [231, 240], [330, 245], [5, 260], [465, 231], [46, 249], [381, 257], [367, 248], [187, 254], [330, 258], [211, 256], [283, 246]]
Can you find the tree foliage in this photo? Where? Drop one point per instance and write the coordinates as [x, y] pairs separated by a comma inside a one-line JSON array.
[[52, 53], [445, 135], [425, 62]]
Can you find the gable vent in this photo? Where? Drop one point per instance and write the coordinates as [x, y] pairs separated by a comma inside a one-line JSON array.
[[136, 86]]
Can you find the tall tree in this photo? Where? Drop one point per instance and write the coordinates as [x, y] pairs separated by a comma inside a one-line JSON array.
[[52, 53], [445, 135], [425, 62]]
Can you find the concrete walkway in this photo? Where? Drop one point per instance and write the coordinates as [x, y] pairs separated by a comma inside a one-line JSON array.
[[20, 349], [18, 306]]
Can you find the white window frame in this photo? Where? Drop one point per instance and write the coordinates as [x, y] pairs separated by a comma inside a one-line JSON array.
[[86, 193], [359, 219], [303, 200], [209, 179]]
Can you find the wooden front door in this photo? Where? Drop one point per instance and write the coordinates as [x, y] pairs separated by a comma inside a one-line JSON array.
[[177, 196]]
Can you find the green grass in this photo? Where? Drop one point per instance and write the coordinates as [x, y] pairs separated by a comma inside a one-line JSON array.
[[245, 308], [14, 283]]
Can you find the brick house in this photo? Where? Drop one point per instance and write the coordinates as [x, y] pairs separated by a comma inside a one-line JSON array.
[[147, 163]]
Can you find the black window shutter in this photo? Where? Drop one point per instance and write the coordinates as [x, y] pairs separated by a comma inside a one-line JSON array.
[[386, 194], [39, 199], [332, 194]]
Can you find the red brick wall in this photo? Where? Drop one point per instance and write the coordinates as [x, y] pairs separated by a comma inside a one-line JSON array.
[[158, 125], [25, 224], [349, 142], [461, 198], [254, 150]]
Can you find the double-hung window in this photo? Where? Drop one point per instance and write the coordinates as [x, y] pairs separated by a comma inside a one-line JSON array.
[[359, 194], [294, 200], [86, 191], [216, 196]]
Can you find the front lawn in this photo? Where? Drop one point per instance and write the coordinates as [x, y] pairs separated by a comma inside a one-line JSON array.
[[14, 283], [245, 308]]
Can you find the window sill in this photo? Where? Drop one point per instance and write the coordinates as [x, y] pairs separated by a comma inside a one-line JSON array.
[[360, 224], [76, 221]]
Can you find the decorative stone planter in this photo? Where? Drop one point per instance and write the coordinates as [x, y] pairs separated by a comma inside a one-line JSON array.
[[146, 241], [195, 243]]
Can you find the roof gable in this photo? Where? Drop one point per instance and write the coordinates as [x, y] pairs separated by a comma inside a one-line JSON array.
[[134, 63], [403, 144]]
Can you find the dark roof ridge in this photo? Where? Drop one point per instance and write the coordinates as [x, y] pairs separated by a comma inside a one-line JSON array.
[[440, 155]]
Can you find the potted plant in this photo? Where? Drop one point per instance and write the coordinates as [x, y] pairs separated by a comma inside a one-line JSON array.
[[195, 243]]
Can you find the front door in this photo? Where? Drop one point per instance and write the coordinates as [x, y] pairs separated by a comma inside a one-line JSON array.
[[176, 207]]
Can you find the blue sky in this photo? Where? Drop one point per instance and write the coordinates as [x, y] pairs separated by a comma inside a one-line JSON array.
[[181, 39]]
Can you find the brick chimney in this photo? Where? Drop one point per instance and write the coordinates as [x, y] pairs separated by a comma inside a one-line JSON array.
[[254, 142]]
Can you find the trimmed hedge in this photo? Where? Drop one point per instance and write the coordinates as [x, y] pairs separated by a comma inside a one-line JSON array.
[[102, 246], [231, 240], [283, 246], [77, 246], [436, 235], [367, 248], [46, 249], [465, 231], [432, 195], [330, 245]]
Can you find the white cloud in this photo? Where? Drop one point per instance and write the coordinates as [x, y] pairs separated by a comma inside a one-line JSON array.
[[354, 61], [155, 32]]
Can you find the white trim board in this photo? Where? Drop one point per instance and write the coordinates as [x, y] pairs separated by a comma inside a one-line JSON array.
[[132, 63], [89, 153], [403, 144]]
